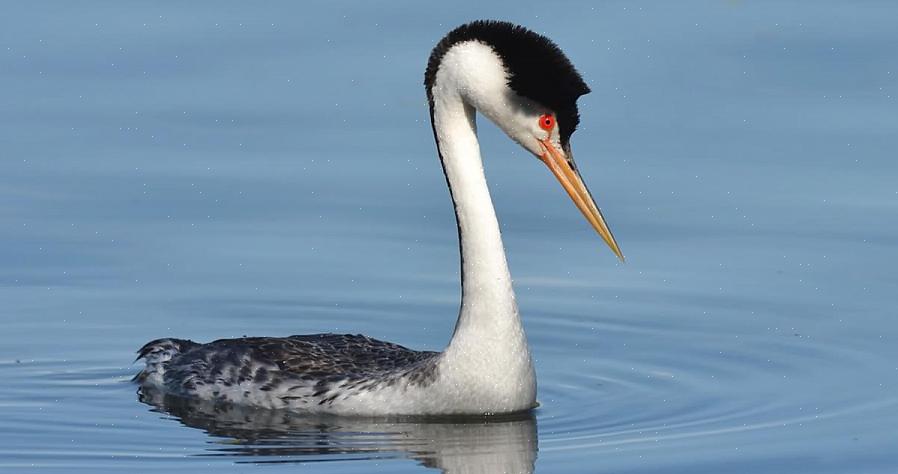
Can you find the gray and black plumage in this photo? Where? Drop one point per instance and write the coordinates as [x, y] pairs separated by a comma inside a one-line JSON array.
[[282, 372]]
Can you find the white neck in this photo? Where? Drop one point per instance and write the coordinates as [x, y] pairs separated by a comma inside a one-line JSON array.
[[489, 338], [487, 293]]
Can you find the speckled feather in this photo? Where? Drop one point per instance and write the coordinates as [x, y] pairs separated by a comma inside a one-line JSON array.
[[283, 372]]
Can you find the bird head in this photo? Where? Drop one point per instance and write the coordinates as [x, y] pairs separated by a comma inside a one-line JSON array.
[[525, 84]]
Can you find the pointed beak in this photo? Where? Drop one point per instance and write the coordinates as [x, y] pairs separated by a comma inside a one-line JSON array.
[[563, 167]]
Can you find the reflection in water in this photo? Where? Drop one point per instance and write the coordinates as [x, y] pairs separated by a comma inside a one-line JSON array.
[[452, 444]]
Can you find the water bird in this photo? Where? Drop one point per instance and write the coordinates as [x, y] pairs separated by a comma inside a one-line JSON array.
[[522, 82]]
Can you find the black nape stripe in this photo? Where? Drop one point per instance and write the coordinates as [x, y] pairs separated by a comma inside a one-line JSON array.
[[537, 68]]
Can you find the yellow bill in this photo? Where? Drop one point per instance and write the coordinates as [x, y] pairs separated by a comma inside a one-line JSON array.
[[563, 169]]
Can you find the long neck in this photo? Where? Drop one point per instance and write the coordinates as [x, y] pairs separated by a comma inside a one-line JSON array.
[[488, 320]]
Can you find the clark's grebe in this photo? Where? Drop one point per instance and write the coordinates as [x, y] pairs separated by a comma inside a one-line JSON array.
[[522, 82]]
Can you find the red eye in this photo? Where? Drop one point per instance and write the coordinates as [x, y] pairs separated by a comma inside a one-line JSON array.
[[547, 122]]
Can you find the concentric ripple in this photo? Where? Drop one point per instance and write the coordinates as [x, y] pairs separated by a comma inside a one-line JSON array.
[[604, 394]]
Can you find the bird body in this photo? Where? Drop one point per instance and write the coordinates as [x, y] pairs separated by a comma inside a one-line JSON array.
[[330, 373], [486, 367]]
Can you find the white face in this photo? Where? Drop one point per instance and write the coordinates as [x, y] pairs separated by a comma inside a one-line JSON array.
[[483, 82], [527, 123]]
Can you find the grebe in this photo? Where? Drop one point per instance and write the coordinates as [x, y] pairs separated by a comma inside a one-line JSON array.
[[522, 82]]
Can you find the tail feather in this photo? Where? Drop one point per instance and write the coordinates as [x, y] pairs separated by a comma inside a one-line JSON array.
[[156, 354]]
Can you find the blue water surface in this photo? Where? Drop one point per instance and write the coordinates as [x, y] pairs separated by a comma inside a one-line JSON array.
[[215, 169]]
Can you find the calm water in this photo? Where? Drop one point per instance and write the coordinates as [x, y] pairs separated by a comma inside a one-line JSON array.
[[222, 169]]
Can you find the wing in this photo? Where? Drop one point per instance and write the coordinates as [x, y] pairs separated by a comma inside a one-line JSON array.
[[344, 354], [313, 363]]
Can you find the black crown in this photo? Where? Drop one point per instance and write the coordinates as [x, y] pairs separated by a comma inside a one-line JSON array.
[[537, 68]]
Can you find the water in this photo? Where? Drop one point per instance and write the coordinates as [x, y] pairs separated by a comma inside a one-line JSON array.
[[220, 169]]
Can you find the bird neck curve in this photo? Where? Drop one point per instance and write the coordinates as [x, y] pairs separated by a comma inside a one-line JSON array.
[[487, 291], [488, 334]]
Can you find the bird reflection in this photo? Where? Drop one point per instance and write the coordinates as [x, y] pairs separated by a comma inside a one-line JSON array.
[[506, 443]]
